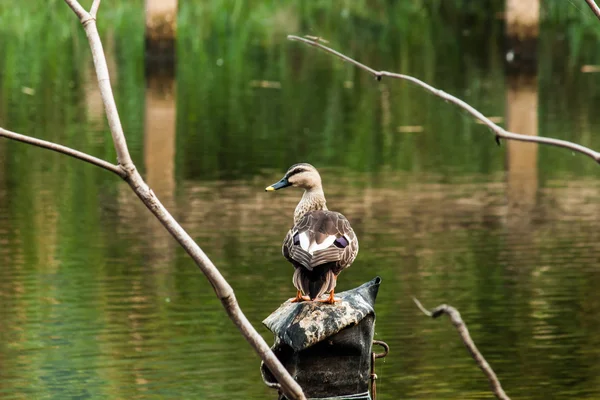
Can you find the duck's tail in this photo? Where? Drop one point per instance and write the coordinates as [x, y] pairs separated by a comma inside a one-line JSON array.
[[315, 283]]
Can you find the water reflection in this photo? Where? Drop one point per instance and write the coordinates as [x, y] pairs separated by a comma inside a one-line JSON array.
[[521, 157], [159, 136], [99, 302], [159, 157]]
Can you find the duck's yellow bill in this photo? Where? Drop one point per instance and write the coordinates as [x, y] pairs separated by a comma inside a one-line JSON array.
[[269, 189]]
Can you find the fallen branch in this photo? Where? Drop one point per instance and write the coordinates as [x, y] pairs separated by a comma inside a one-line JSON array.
[[499, 131], [460, 326], [127, 170]]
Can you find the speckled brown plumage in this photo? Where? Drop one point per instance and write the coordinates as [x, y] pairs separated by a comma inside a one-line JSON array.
[[321, 243], [316, 273]]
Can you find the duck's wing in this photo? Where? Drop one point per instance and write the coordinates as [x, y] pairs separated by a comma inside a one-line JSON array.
[[321, 237], [347, 241]]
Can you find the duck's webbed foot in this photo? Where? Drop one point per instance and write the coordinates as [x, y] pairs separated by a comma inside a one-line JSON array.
[[331, 299], [299, 298]]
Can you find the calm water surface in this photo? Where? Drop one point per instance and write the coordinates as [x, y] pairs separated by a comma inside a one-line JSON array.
[[99, 302]]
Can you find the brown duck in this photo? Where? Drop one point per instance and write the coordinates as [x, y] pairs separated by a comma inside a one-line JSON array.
[[321, 243]]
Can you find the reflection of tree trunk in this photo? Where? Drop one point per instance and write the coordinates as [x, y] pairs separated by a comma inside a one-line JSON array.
[[521, 163], [522, 30], [159, 136], [386, 115], [159, 152], [93, 98]]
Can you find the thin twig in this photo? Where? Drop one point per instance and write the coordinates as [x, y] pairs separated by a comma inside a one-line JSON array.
[[64, 150], [499, 131], [94, 9], [594, 7], [461, 327]]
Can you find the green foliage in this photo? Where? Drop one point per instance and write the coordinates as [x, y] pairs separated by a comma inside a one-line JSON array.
[[325, 111], [86, 275]]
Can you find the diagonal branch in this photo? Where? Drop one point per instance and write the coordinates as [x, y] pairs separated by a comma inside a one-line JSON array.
[[64, 150], [77, 9], [222, 289], [461, 327], [594, 7], [499, 131], [114, 122], [94, 9]]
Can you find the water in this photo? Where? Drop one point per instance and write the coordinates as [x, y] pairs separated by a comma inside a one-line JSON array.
[[99, 302]]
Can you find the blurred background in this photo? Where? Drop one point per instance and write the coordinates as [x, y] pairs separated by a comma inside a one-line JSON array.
[[99, 302]]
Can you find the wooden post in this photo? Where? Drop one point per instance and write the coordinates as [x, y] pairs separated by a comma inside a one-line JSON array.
[[522, 18], [522, 31], [161, 31]]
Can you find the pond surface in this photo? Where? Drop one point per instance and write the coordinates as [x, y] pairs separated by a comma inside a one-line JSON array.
[[99, 302]]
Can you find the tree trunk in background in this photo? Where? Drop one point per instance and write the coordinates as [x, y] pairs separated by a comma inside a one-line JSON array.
[[161, 31], [522, 18], [522, 31]]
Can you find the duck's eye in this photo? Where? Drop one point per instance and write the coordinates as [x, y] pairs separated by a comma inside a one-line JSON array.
[[341, 242], [297, 239]]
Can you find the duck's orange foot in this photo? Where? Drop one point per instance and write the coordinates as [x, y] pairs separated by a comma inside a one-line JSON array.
[[330, 300], [299, 298]]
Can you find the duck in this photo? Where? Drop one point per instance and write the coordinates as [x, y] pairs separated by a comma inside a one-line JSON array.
[[321, 243]]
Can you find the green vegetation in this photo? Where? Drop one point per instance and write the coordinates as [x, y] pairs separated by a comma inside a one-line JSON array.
[[99, 303], [322, 110]]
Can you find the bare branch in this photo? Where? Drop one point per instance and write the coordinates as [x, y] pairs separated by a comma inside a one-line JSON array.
[[220, 285], [461, 327], [594, 7], [94, 9], [64, 150], [114, 122], [500, 132], [77, 9], [223, 290]]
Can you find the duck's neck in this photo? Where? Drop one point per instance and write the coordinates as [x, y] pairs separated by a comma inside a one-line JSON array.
[[312, 199]]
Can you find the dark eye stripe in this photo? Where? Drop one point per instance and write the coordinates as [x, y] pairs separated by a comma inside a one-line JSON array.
[[296, 171]]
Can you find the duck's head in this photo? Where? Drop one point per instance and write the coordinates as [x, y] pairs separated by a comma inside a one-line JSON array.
[[301, 175]]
